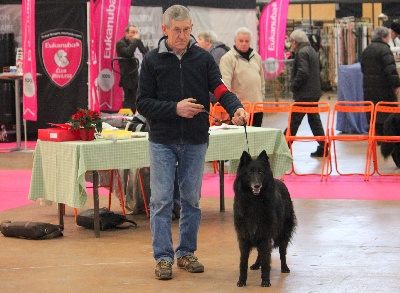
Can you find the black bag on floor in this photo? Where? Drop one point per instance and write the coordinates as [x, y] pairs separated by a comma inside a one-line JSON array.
[[31, 230], [108, 220]]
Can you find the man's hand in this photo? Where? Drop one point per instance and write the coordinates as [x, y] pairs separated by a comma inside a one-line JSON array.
[[240, 117], [397, 91], [188, 108]]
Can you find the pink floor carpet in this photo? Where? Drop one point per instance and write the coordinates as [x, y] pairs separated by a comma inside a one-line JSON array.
[[15, 188], [310, 187]]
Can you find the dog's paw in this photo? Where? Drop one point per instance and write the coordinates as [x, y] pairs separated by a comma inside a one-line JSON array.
[[265, 284], [285, 269], [241, 283], [255, 267]]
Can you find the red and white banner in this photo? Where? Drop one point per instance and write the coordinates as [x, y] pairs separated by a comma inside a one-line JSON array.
[[272, 35], [108, 19], [29, 61]]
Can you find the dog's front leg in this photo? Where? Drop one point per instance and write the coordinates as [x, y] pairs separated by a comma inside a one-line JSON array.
[[264, 253], [245, 249]]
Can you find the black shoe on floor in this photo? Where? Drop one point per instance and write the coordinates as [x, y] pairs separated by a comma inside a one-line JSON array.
[[319, 153]]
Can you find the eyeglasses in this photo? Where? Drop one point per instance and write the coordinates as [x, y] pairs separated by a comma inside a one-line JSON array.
[[185, 31]]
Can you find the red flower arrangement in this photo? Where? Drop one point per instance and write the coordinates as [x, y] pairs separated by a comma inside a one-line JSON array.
[[86, 119]]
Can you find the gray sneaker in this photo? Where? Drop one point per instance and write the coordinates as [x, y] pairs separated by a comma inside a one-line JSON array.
[[163, 270], [190, 263]]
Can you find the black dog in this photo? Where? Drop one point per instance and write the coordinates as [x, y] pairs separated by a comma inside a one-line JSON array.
[[263, 215], [391, 127]]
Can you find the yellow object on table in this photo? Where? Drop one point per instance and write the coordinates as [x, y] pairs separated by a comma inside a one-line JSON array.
[[116, 134]]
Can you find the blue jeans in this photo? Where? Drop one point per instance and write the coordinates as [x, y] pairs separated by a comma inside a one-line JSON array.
[[163, 160]]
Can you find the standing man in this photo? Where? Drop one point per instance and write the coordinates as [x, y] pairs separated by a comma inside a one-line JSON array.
[[242, 71], [381, 80], [175, 79], [208, 41], [306, 85], [129, 65]]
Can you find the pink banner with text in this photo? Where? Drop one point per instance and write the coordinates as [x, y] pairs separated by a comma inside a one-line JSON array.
[[26, 61], [108, 19], [272, 36]]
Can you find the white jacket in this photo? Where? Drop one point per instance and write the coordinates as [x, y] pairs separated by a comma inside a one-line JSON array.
[[243, 78]]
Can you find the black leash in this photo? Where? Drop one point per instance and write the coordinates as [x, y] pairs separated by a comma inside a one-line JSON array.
[[247, 140], [216, 119]]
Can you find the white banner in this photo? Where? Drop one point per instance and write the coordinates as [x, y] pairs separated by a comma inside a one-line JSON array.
[[148, 20], [224, 22]]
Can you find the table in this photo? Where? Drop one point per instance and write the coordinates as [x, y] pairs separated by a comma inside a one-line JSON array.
[[59, 168], [16, 77], [350, 88]]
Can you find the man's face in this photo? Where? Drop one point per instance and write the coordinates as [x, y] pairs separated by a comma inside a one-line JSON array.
[[294, 45], [131, 33], [242, 42], [203, 43], [178, 34], [393, 34]]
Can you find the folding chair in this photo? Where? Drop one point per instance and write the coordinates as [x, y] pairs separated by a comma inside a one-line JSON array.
[[212, 120], [381, 108], [310, 108], [356, 108], [269, 107], [219, 112]]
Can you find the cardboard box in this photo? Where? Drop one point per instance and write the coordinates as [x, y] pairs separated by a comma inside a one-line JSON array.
[[58, 134]]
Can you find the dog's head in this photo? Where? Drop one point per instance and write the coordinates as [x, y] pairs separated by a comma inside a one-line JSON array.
[[255, 173]]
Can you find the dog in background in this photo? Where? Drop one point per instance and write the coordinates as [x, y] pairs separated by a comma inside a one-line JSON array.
[[391, 127], [264, 217]]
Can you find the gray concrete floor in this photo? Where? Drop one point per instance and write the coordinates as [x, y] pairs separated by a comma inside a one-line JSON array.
[[339, 246]]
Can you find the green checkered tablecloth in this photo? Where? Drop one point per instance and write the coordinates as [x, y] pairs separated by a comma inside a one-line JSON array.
[[59, 167]]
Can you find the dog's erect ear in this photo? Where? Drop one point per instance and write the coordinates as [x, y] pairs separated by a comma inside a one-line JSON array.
[[244, 159], [263, 156]]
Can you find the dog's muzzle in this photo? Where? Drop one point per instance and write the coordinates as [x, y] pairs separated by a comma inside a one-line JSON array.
[[256, 189]]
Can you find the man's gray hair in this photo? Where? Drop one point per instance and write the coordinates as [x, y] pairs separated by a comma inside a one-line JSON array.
[[299, 36], [208, 36], [128, 27], [243, 30], [175, 12], [379, 33]]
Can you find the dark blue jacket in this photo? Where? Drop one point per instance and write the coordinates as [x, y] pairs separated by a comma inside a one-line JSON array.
[[165, 80]]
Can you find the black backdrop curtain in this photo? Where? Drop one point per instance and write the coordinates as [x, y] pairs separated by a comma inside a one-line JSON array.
[[56, 103]]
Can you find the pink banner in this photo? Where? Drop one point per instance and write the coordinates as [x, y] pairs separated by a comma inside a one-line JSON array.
[[108, 19], [28, 61], [272, 36]]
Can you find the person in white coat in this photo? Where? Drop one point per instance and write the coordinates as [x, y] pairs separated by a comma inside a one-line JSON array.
[[242, 71]]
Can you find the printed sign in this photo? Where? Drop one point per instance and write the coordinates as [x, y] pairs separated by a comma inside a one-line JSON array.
[[61, 54]]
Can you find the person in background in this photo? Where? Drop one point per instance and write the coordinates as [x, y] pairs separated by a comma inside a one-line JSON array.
[[208, 41], [175, 80], [242, 71], [394, 34], [306, 85], [127, 47], [394, 42], [380, 78]]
